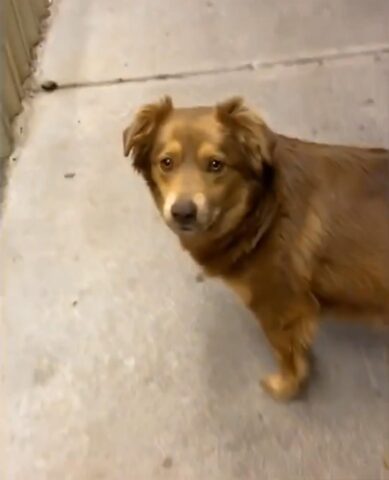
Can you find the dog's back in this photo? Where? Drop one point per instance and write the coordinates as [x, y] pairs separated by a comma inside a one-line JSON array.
[[345, 226]]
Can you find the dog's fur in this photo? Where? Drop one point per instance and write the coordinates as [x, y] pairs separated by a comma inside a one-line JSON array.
[[292, 226]]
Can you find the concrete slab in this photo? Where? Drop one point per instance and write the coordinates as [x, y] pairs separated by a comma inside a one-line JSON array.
[[120, 364], [129, 38]]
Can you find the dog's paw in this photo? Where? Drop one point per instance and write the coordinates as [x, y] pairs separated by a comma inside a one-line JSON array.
[[280, 387]]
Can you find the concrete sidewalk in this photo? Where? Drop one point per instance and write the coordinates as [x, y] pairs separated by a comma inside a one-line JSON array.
[[120, 365]]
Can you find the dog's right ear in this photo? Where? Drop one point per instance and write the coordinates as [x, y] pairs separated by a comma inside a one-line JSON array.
[[138, 137]]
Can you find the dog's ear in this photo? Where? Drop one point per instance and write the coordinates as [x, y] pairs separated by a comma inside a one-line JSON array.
[[138, 137], [248, 128]]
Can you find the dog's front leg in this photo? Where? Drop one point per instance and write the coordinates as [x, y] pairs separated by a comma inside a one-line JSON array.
[[290, 330]]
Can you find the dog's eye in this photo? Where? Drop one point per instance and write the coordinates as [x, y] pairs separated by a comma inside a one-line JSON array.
[[166, 164], [215, 165]]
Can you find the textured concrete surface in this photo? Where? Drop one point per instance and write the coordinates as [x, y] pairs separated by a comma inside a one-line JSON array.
[[119, 364], [151, 37]]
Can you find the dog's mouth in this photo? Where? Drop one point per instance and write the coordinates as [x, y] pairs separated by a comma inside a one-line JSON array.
[[187, 223], [187, 230], [197, 227]]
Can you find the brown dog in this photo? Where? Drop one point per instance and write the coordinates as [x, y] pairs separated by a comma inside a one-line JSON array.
[[291, 226]]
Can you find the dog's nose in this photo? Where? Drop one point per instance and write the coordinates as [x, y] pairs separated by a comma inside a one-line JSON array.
[[184, 212]]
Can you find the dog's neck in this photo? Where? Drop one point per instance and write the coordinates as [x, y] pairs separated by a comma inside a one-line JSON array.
[[221, 256]]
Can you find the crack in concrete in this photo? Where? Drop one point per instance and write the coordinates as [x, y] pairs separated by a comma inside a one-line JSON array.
[[319, 59]]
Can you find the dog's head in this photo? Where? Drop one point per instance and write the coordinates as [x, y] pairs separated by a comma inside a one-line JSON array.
[[204, 165]]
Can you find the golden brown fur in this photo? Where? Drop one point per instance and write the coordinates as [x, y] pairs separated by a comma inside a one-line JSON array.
[[291, 226]]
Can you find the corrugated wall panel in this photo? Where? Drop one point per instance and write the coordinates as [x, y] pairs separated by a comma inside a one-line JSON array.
[[19, 30]]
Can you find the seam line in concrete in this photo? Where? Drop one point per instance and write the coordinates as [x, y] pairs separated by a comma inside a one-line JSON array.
[[320, 59]]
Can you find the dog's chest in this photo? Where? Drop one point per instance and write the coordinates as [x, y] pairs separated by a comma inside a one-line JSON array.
[[242, 288]]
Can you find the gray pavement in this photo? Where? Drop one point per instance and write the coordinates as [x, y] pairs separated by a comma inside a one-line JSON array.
[[119, 364]]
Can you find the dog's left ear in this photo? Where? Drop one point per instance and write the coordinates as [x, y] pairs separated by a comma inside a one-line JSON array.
[[138, 137], [248, 128]]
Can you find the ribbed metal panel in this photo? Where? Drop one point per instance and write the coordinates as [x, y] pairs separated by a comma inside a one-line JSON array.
[[19, 32]]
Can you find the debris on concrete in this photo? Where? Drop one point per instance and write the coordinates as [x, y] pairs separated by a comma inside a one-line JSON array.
[[49, 86]]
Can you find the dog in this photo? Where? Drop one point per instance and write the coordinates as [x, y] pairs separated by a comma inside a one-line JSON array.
[[293, 227]]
